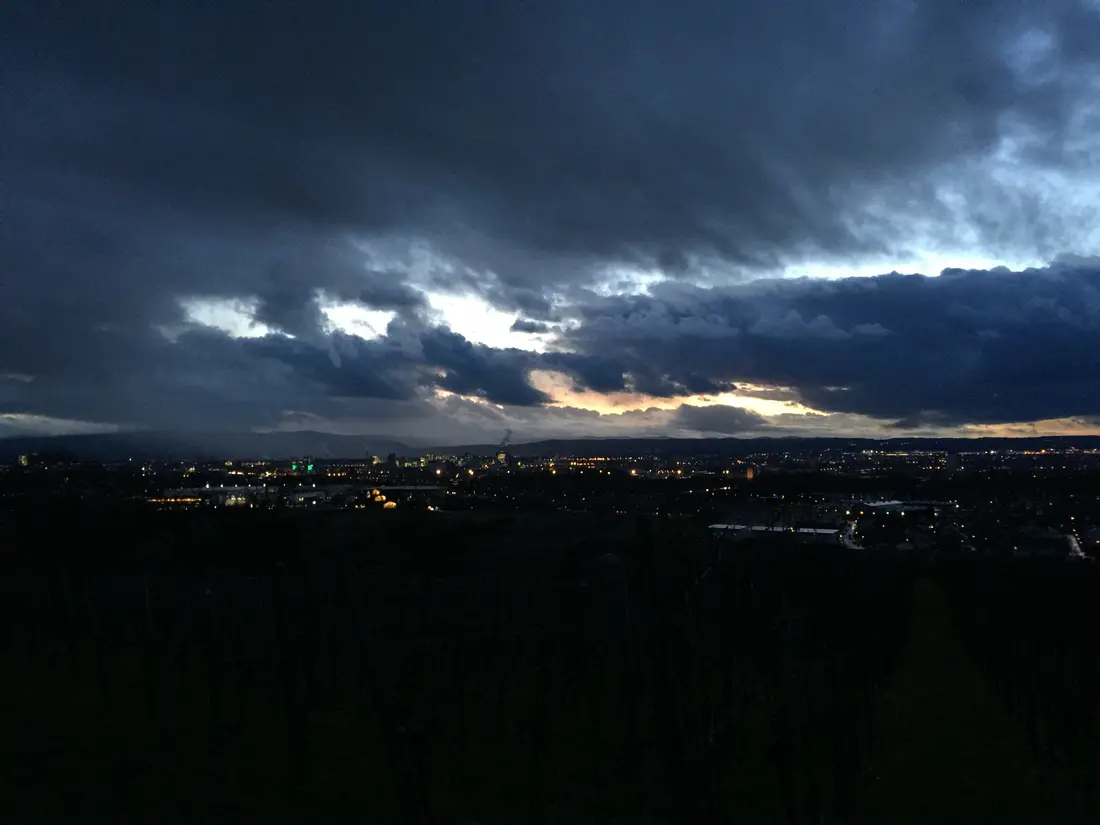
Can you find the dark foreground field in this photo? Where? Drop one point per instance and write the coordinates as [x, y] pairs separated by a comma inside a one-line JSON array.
[[360, 668]]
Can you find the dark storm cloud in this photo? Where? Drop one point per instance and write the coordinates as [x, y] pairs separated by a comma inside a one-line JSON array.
[[534, 327], [500, 376], [155, 153], [291, 309], [967, 346], [528, 301], [384, 290], [207, 380], [592, 372], [348, 368], [640, 130], [647, 380], [204, 381], [718, 419]]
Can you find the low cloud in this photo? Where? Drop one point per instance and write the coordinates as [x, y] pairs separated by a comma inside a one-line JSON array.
[[525, 325], [718, 419], [968, 346]]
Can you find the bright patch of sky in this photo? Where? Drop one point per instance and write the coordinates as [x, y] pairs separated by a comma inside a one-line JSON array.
[[1055, 188], [356, 319], [1031, 53], [233, 316], [924, 263], [1044, 427], [17, 424], [560, 389], [476, 320]]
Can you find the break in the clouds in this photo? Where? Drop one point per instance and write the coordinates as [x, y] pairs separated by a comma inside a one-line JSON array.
[[442, 220]]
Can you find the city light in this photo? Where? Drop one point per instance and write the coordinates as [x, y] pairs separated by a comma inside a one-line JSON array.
[[694, 485]]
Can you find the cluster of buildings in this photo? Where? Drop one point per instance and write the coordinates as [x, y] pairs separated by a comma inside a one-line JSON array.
[[270, 496], [919, 525], [994, 502]]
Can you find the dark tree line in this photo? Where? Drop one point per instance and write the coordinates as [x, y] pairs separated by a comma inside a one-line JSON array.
[[1033, 626], [451, 673]]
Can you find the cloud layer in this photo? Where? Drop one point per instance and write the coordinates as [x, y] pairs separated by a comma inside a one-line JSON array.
[[626, 182]]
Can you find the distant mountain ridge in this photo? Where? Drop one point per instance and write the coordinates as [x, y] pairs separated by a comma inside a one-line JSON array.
[[199, 446], [281, 445], [734, 446]]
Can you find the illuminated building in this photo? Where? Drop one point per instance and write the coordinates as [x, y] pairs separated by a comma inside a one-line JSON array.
[[176, 500], [24, 460], [310, 497]]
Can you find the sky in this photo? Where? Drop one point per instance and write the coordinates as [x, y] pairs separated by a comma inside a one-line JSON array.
[[438, 221]]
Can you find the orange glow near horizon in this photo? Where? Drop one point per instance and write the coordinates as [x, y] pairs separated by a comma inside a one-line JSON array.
[[560, 388], [1032, 429]]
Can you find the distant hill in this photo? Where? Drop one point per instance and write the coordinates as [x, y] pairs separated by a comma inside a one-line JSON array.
[[154, 445], [665, 447], [158, 445]]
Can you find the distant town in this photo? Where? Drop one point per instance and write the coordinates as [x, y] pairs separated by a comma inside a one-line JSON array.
[[988, 502]]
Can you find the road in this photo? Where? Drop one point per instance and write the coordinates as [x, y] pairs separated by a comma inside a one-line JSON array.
[[847, 537]]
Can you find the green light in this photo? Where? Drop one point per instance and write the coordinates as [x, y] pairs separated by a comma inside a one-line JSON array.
[[309, 468], [294, 466]]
